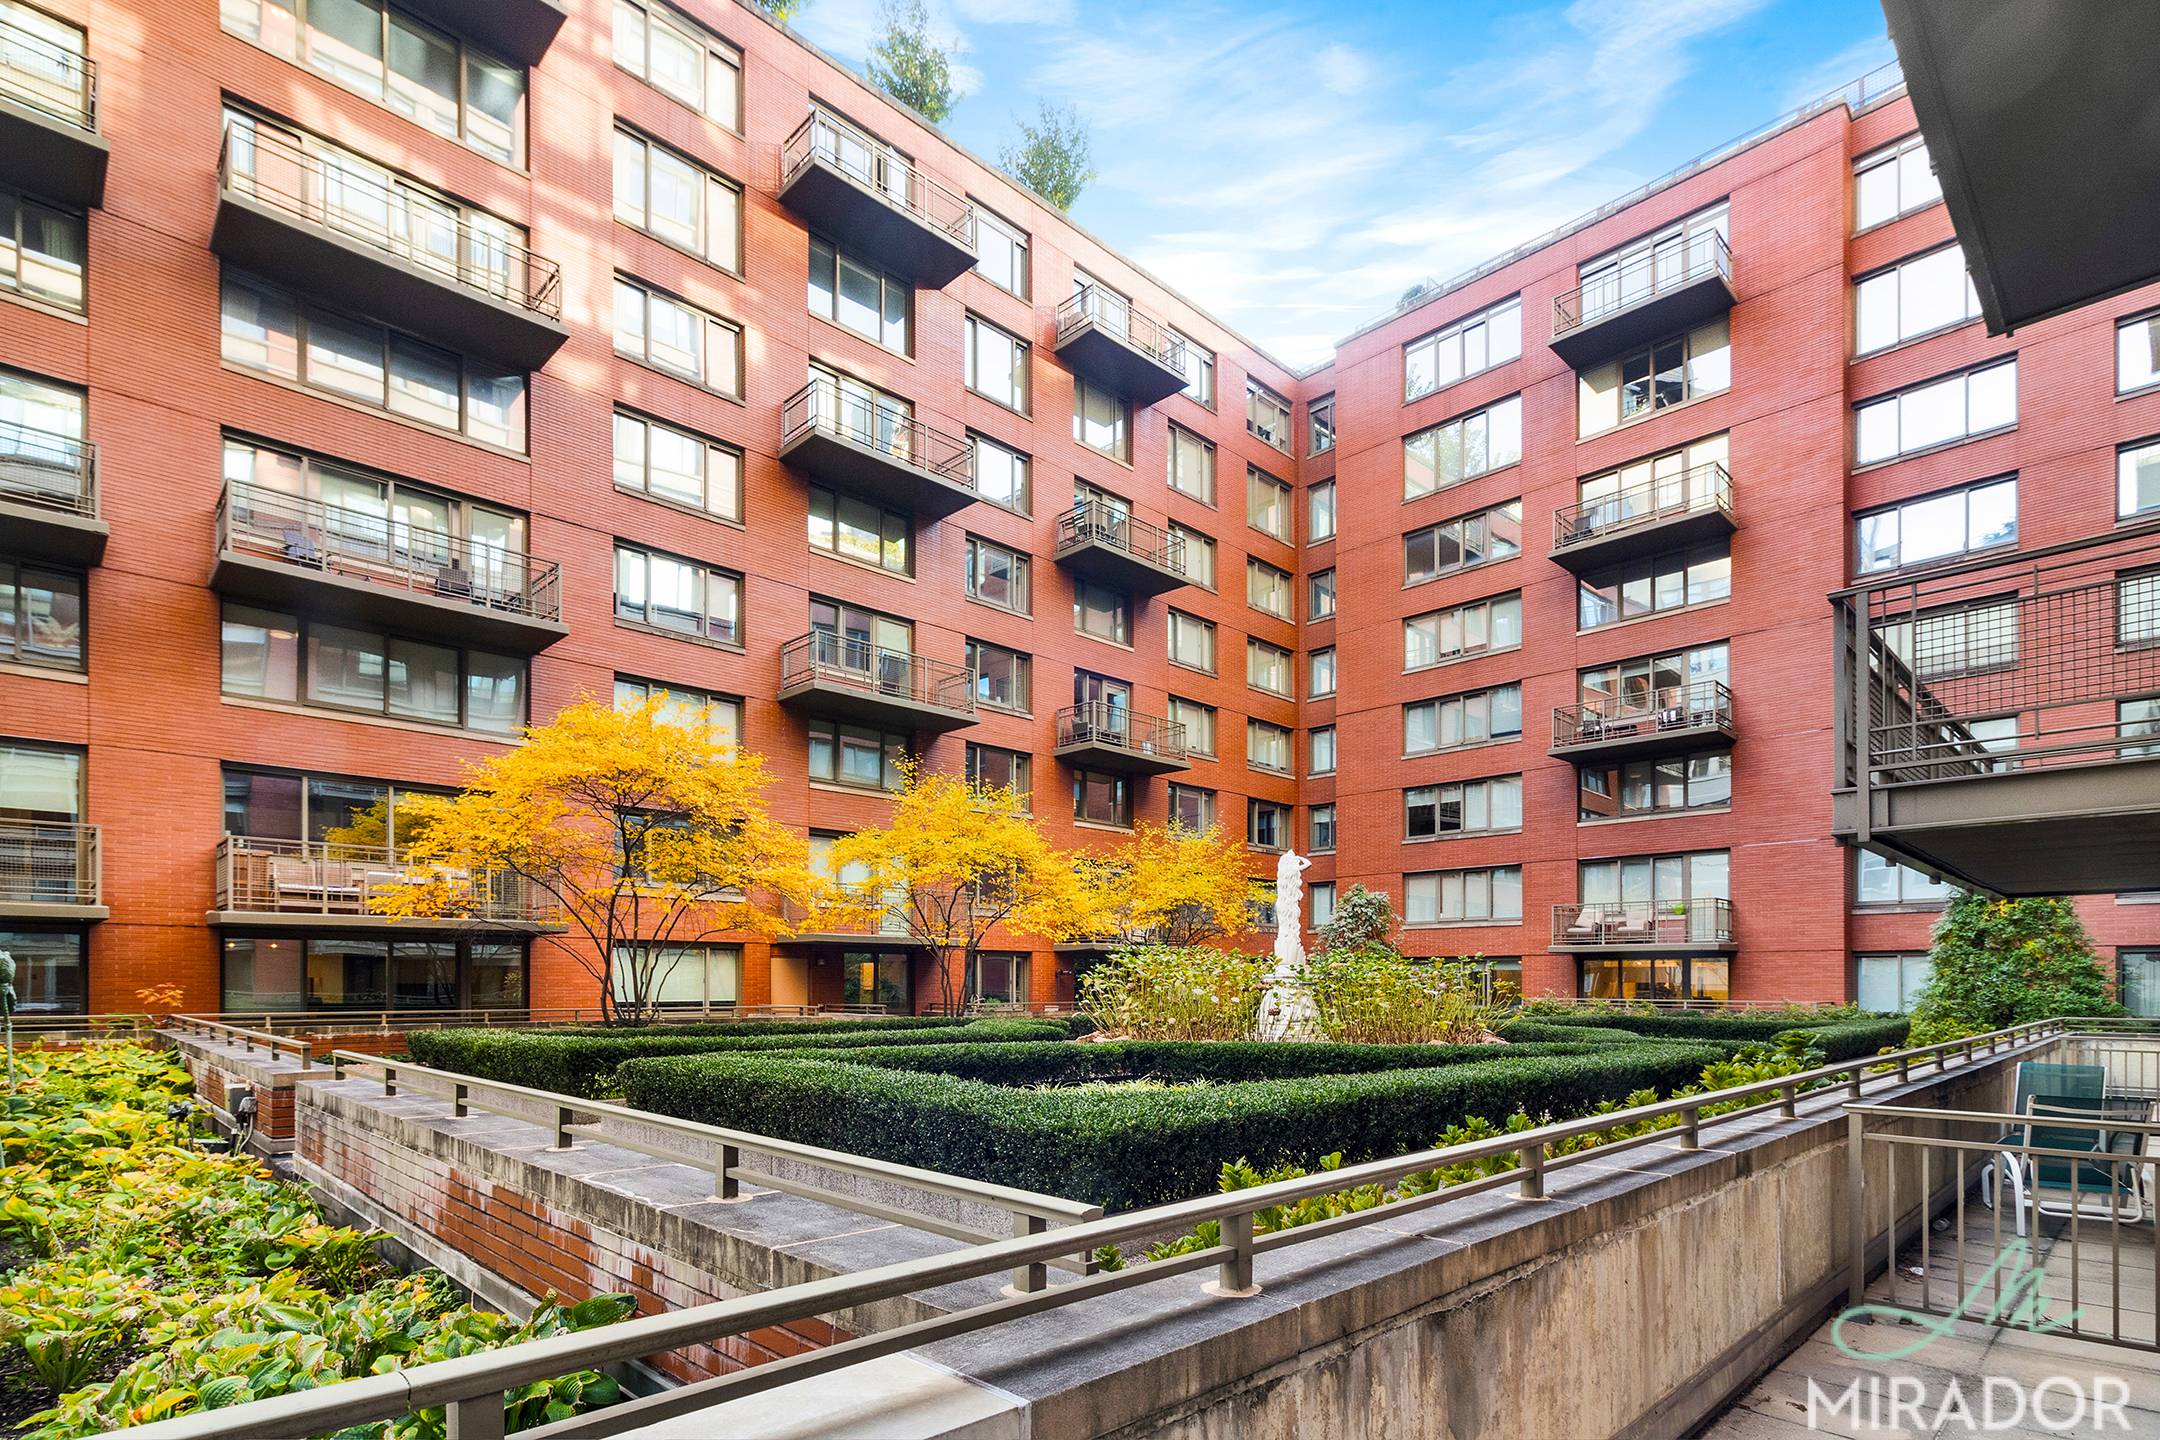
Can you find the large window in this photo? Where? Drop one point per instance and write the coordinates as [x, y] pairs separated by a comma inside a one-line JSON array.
[[50, 974], [997, 575], [1655, 584], [272, 973], [1463, 543], [1978, 517], [1198, 363], [1895, 180], [1320, 595], [267, 330], [1001, 978], [1267, 415], [679, 977], [668, 334], [1913, 298], [1192, 642], [1958, 640], [1320, 673], [1441, 897], [1878, 881], [1670, 480], [1468, 807], [1674, 977], [2137, 478], [1891, 984], [989, 765], [1102, 612], [1320, 425], [1001, 475], [1475, 717], [860, 297], [1267, 589], [422, 73], [1320, 750], [42, 616], [1267, 667], [1320, 829], [1192, 808], [1940, 412], [1001, 252], [1001, 676], [1490, 337], [1267, 825], [44, 251], [344, 816], [857, 755], [1199, 723], [1192, 465], [1198, 555], [1670, 372], [269, 655], [1267, 747], [2137, 353], [1100, 798], [679, 596], [1661, 880], [1100, 421], [2137, 609], [1644, 684], [657, 459], [1470, 629], [678, 201], [997, 364], [1267, 504], [860, 530], [682, 705], [680, 58], [1462, 448], [1320, 512], [2138, 720], [1637, 270], [1606, 790]]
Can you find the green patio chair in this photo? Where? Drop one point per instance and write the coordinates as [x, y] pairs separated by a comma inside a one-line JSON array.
[[2110, 1186], [2036, 1079]]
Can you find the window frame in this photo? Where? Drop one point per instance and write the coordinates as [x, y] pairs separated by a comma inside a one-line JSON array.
[[971, 333], [1965, 435], [703, 250], [1460, 426], [694, 35], [707, 573], [708, 323], [304, 629], [1021, 575], [1456, 330], [733, 515]]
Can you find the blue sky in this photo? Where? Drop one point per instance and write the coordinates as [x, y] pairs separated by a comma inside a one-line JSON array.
[[1294, 167]]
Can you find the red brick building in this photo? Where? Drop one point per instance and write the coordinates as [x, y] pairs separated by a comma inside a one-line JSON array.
[[376, 378]]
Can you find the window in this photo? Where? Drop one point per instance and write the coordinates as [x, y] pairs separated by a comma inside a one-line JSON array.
[[1321, 672], [1199, 723], [859, 297], [268, 655], [2137, 484], [1476, 717], [684, 706], [1267, 415], [394, 60], [997, 364], [1671, 977], [1100, 798], [1605, 790], [1670, 883], [1940, 412], [1462, 448], [1192, 641], [267, 330], [1488, 338], [1099, 420], [678, 201], [1267, 504], [656, 459], [987, 765], [1655, 584], [2135, 719], [1893, 181], [1978, 517], [2137, 609], [1192, 465], [40, 783], [1001, 978], [857, 755], [680, 59], [1267, 589], [1001, 252], [1637, 270], [1674, 480], [1320, 829], [997, 576], [1320, 512], [1267, 747], [1192, 808], [1198, 363], [345, 817], [41, 616], [1001, 475], [1001, 676], [1916, 297], [860, 530], [1646, 684], [44, 251], [1443, 897], [1267, 667], [1102, 612], [681, 597], [1885, 882], [667, 334], [679, 977], [50, 974], [1320, 595], [1320, 751], [1198, 552], [1322, 895], [1469, 807], [1320, 425], [1267, 825], [1890, 984], [1471, 629], [2137, 353], [1671, 372], [350, 972], [1959, 640], [1463, 543]]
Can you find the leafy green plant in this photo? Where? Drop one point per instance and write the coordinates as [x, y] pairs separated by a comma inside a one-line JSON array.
[[1372, 994], [1362, 918], [1175, 992], [908, 64], [2006, 962], [1050, 155]]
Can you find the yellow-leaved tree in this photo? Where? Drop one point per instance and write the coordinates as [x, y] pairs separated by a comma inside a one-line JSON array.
[[957, 861], [1175, 886], [643, 824]]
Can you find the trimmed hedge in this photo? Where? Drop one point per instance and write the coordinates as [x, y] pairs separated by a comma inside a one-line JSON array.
[[766, 1027], [584, 1065], [1840, 1039], [1518, 1032], [1124, 1149], [1181, 1061]]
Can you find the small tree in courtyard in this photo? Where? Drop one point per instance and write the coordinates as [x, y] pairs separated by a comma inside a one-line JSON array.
[[1363, 919], [1176, 886], [651, 833], [2004, 962]]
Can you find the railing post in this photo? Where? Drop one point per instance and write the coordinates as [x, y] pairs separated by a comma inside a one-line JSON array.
[[726, 1159], [562, 1128], [1856, 1202], [389, 1078], [1027, 1279], [337, 1066], [477, 1417], [1854, 1081], [1787, 1095], [1691, 1128], [458, 1108], [1235, 1275], [1533, 1168]]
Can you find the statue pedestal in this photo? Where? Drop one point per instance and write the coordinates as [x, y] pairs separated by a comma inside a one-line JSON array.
[[1286, 1009]]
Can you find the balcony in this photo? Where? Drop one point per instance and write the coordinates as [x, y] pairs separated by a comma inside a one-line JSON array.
[[49, 498], [1668, 927], [869, 446], [859, 191], [351, 565], [1659, 515], [1097, 736], [1646, 299], [517, 30], [857, 916], [49, 141], [1106, 545], [50, 870], [1668, 721], [846, 678], [339, 235], [2065, 639], [1101, 336], [283, 884]]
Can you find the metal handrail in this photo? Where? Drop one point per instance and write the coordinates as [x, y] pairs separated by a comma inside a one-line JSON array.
[[49, 469], [852, 908], [1643, 924], [1115, 315], [1640, 280], [1703, 704], [484, 260], [878, 168], [471, 1386], [247, 1040], [1098, 722], [1702, 487], [28, 58], [829, 657], [49, 862], [312, 535], [1098, 522], [872, 422], [305, 877]]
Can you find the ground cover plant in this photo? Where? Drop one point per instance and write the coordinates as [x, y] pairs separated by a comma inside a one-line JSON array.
[[146, 1279]]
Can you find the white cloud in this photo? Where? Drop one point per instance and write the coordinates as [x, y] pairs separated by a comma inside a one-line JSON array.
[[1343, 70]]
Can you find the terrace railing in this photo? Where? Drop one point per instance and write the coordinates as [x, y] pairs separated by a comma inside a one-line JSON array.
[[828, 657], [39, 467], [876, 166], [303, 877], [1661, 272], [1706, 704], [1097, 522], [877, 424], [39, 73], [1642, 924], [49, 862], [1690, 492], [1115, 315], [1100, 723]]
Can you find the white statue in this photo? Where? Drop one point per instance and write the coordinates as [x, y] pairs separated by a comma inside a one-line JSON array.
[[1286, 1010]]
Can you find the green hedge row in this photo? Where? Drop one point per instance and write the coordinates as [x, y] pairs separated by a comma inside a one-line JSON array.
[[763, 1027], [1181, 1062], [1129, 1148], [1517, 1032], [1842, 1038], [585, 1064]]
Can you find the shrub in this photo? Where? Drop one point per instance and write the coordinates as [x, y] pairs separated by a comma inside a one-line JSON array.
[[1844, 1034], [1373, 994], [1521, 1031], [762, 1027], [1175, 992], [1362, 918], [1180, 1062], [2005, 962]]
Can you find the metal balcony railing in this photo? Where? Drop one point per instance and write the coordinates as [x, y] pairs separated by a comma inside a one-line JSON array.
[[823, 657], [324, 189], [310, 535], [1097, 522], [1642, 924], [308, 877], [38, 73], [1693, 491], [880, 425], [1706, 704], [49, 862], [1099, 723], [42, 468], [853, 910], [871, 163], [1115, 315], [1661, 272]]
